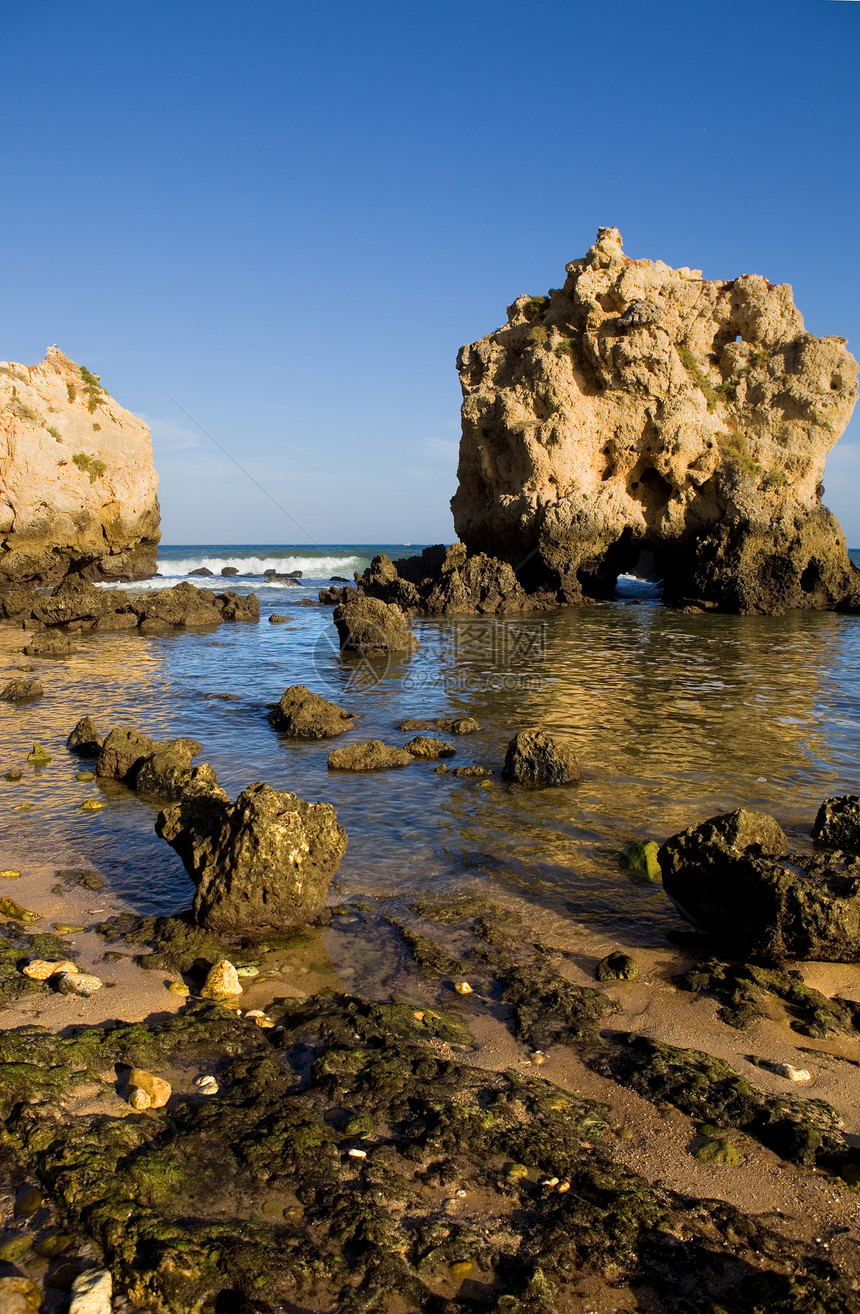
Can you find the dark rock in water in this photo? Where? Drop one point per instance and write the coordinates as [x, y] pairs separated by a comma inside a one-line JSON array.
[[332, 597], [372, 755], [239, 607], [229, 570], [447, 581], [261, 864], [339, 579], [296, 574], [19, 691], [535, 758], [732, 876], [50, 643], [422, 746], [85, 739], [372, 628], [124, 752], [275, 619], [202, 570], [457, 725], [837, 824], [617, 967], [306, 715], [306, 602]]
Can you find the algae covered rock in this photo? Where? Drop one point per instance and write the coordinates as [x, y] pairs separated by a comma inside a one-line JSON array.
[[124, 751], [18, 1295], [641, 858], [535, 758], [617, 967], [306, 715], [262, 863], [373, 628], [732, 877], [454, 725], [837, 824], [372, 755]]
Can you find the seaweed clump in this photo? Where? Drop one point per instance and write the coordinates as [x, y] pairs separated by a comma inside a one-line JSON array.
[[742, 988]]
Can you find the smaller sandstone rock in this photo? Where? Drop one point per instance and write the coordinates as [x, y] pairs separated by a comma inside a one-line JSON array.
[[798, 1075], [373, 755], [13, 774], [617, 967], [423, 747], [10, 874], [85, 777], [472, 770], [462, 988], [179, 988], [92, 1292], [19, 691], [306, 715], [373, 628], [535, 758], [222, 982], [38, 756], [18, 1295], [39, 969], [229, 570], [78, 983], [93, 805], [276, 619], [837, 825], [85, 739], [158, 1090]]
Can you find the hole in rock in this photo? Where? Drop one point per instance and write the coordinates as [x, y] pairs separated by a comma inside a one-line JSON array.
[[641, 580], [811, 577]]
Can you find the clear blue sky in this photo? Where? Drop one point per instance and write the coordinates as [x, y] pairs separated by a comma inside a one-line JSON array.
[[290, 216]]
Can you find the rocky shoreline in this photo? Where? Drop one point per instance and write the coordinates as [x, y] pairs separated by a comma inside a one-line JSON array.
[[463, 1101]]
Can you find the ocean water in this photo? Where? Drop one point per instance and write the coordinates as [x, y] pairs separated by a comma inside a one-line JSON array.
[[673, 718]]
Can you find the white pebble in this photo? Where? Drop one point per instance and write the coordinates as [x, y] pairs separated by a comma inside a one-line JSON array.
[[357, 1154], [206, 1085], [793, 1074]]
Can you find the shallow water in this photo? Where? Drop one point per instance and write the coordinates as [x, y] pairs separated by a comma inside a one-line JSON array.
[[673, 718]]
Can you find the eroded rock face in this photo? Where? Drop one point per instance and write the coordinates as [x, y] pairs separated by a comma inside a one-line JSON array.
[[77, 479], [373, 628], [837, 824], [303, 714], [447, 582], [641, 409], [733, 877], [263, 863], [76, 605]]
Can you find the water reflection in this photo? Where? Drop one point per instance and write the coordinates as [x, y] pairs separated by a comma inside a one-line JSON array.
[[673, 718]]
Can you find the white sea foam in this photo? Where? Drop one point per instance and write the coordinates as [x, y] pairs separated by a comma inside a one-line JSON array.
[[315, 567]]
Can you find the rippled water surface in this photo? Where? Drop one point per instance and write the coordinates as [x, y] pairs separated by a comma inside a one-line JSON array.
[[673, 718]]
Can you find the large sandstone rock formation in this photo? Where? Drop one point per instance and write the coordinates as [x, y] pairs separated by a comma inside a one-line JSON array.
[[641, 409], [77, 483]]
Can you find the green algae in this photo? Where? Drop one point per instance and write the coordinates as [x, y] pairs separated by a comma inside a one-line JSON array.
[[617, 967], [253, 1197], [719, 1151], [742, 990]]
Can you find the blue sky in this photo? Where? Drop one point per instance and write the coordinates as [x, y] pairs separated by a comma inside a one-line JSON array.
[[290, 216]]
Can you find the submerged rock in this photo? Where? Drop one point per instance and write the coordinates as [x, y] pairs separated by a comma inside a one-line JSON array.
[[422, 746], [641, 859], [49, 643], [260, 864], [644, 410], [457, 725], [372, 628], [306, 715], [372, 755], [535, 758], [19, 691], [733, 877]]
